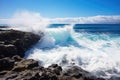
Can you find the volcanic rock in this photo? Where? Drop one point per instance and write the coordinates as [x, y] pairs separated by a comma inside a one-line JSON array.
[[6, 64], [13, 42]]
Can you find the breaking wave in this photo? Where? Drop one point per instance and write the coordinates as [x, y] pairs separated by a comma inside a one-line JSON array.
[[97, 53]]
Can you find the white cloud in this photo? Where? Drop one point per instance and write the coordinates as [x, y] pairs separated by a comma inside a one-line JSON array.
[[30, 18], [4, 21], [89, 20]]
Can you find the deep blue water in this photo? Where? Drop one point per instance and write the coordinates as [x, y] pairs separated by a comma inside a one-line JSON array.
[[93, 28]]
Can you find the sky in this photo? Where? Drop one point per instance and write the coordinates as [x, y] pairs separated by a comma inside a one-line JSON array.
[[61, 8], [65, 10]]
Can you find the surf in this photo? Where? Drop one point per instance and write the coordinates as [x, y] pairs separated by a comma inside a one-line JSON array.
[[97, 53]]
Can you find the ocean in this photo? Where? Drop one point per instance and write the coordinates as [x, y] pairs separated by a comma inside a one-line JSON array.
[[93, 47]]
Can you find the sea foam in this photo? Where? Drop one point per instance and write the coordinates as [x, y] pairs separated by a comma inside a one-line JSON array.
[[97, 53]]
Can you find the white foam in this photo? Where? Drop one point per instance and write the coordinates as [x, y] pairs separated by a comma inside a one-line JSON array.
[[96, 53]]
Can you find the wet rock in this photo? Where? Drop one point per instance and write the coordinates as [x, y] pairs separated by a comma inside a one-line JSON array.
[[28, 69], [3, 72], [17, 58], [115, 78], [13, 42], [55, 69], [7, 50], [12, 76], [6, 64], [25, 64], [77, 73]]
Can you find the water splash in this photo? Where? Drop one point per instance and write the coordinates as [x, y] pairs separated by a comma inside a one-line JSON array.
[[28, 21], [96, 53]]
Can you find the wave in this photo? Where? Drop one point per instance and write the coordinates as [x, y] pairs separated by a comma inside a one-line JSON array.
[[97, 53]]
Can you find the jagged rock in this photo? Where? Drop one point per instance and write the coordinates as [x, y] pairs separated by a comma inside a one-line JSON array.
[[13, 42], [25, 64], [20, 69], [16, 58], [115, 78], [29, 70], [6, 64], [77, 73], [7, 50], [55, 69]]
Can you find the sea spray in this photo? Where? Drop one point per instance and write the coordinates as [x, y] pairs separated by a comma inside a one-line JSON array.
[[28, 21], [97, 53]]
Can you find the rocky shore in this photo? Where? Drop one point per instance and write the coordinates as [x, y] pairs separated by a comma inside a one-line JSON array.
[[13, 66]]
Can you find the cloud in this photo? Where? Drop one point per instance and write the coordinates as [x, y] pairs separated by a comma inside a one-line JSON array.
[[4, 21], [89, 20], [27, 18]]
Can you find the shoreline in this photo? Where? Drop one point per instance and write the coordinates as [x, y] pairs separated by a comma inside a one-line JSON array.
[[14, 67]]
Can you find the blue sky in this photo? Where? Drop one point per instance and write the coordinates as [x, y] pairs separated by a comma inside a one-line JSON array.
[[61, 8]]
